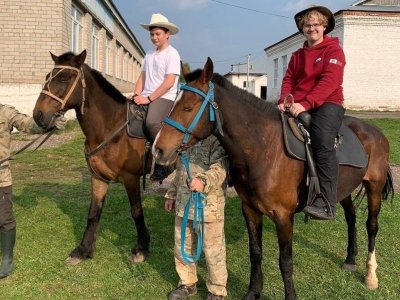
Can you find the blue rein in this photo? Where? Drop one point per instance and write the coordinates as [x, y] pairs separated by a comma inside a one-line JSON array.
[[197, 200]]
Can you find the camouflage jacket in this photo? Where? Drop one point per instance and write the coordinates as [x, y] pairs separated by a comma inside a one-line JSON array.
[[11, 118], [207, 161]]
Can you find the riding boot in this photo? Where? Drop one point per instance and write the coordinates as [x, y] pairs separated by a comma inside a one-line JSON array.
[[320, 208], [160, 173], [7, 247]]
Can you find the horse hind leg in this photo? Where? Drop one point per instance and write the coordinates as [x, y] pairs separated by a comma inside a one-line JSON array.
[[352, 250], [374, 193], [141, 250], [86, 248]]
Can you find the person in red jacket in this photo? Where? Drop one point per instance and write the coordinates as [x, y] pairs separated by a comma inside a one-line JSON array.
[[314, 78]]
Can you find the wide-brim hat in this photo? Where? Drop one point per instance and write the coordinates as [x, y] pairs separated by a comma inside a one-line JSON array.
[[323, 10], [158, 20]]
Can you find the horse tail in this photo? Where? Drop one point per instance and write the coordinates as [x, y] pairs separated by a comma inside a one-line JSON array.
[[389, 186], [387, 190]]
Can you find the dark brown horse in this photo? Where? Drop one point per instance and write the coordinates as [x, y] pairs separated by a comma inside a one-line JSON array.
[[101, 111], [268, 181]]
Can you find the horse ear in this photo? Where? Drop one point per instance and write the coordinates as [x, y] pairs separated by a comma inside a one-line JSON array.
[[207, 71], [81, 57], [185, 70], [54, 57]]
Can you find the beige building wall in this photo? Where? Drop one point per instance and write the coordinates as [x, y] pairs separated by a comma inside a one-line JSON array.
[[30, 29]]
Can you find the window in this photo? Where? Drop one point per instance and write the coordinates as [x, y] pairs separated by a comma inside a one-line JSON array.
[[275, 73], [284, 65], [107, 56], [95, 47], [116, 61], [76, 30], [244, 84]]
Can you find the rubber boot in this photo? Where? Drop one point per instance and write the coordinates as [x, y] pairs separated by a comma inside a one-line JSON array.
[[7, 248]]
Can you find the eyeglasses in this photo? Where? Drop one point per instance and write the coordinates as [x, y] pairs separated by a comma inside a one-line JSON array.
[[309, 26]]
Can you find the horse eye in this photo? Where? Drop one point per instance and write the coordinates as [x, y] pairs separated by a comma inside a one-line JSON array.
[[188, 108], [63, 78]]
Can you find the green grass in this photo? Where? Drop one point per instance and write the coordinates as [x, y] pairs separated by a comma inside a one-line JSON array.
[[51, 201]]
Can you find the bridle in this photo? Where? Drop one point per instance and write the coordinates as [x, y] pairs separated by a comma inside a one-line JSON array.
[[79, 75], [208, 100]]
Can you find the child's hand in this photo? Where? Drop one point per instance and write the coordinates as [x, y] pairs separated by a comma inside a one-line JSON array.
[[169, 205]]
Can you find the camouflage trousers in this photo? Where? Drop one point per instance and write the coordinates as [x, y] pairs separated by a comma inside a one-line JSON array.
[[214, 251]]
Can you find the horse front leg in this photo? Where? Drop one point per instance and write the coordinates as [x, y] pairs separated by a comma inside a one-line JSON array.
[[141, 250], [254, 227], [352, 250], [284, 228], [86, 248]]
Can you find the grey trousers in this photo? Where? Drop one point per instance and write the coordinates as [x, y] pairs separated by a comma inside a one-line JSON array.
[[158, 110], [7, 219]]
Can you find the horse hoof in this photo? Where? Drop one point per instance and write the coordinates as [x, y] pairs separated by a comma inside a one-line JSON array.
[[137, 258], [73, 261], [349, 267], [371, 283]]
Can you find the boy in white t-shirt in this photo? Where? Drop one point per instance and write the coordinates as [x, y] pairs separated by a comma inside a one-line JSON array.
[[158, 81]]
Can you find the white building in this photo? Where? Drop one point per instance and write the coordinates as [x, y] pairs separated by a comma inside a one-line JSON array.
[[369, 32], [255, 83]]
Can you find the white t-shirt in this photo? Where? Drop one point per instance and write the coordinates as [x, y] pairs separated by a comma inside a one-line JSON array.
[[157, 65]]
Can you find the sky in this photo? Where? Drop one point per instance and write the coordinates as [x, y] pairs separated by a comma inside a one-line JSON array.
[[230, 32]]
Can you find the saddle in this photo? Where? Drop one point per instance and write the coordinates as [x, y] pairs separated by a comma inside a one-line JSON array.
[[349, 149], [136, 116]]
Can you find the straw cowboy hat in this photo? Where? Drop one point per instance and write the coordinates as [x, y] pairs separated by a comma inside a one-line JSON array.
[[323, 10], [158, 20]]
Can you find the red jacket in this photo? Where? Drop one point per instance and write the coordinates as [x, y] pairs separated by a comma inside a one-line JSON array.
[[315, 75]]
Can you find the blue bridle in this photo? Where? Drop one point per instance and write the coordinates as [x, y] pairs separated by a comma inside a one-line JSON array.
[[197, 199], [208, 100]]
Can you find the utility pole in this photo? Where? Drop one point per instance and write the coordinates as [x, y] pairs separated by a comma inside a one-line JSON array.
[[248, 68]]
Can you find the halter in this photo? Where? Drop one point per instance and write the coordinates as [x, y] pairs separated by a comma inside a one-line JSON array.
[[72, 88], [197, 200], [213, 108]]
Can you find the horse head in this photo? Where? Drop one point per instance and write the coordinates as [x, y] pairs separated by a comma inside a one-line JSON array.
[[64, 88], [191, 119]]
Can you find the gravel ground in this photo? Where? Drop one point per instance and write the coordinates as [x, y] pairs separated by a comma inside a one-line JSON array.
[[21, 139]]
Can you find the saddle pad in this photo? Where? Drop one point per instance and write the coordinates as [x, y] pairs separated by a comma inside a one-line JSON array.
[[136, 116], [350, 151]]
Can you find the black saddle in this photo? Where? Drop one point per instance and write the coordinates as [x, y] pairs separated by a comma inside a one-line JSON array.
[[349, 149], [136, 115]]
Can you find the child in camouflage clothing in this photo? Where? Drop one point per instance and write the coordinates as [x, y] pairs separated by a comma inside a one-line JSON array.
[[208, 166]]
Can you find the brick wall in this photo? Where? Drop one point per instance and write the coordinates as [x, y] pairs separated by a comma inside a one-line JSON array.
[[32, 28]]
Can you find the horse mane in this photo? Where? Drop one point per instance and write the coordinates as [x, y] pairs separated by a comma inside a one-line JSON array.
[[251, 99], [106, 86]]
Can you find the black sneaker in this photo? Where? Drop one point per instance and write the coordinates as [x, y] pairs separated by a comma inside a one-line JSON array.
[[160, 173], [211, 296], [320, 209], [183, 292]]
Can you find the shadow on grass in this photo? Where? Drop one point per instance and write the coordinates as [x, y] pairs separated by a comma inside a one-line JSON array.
[[117, 227]]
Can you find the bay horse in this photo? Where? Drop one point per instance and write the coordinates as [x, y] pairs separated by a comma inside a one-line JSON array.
[[101, 111], [268, 181]]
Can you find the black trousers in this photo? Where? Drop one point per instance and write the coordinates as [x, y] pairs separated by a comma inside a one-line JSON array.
[[326, 121], [7, 219]]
